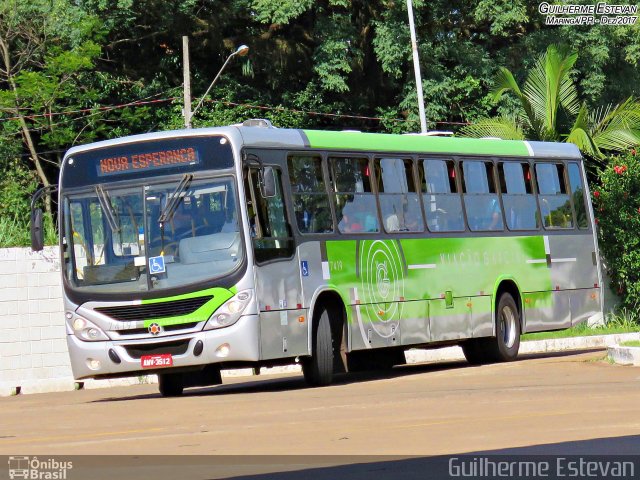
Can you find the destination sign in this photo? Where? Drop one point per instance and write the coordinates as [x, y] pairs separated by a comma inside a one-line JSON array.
[[149, 161]]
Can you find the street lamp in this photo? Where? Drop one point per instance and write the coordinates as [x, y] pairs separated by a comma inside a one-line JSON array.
[[241, 51]]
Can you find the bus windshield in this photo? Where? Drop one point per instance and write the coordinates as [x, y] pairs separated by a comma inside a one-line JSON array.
[[133, 239]]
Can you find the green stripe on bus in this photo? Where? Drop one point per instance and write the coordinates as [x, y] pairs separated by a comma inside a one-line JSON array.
[[413, 143], [220, 295], [381, 272]]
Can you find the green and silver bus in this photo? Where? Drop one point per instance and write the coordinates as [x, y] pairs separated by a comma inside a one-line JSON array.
[[187, 252]]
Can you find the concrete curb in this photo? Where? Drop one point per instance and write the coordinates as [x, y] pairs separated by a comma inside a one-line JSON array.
[[530, 346], [624, 355], [455, 353], [63, 384]]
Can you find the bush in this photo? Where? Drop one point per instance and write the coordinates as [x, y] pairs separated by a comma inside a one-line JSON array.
[[16, 232], [617, 212], [16, 186]]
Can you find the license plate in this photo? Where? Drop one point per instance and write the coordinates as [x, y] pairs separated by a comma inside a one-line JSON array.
[[155, 361]]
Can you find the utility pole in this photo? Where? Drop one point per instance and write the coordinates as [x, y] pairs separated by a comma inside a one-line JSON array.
[[416, 68], [186, 110]]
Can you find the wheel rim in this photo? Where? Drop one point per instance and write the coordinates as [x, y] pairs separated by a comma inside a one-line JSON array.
[[508, 323]]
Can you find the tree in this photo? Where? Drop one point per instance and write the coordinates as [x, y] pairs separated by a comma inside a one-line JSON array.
[[616, 203], [45, 45], [549, 109]]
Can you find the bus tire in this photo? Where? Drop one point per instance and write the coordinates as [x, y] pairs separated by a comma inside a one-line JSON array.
[[318, 369], [378, 359], [505, 345], [170, 384], [474, 351]]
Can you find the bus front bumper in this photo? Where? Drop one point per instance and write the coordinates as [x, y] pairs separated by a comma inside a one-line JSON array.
[[114, 358]]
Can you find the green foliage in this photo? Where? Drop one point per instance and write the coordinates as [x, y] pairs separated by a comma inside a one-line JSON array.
[[281, 11], [617, 211], [14, 232], [16, 185], [623, 318], [548, 101], [336, 60], [503, 15], [333, 58], [47, 44]]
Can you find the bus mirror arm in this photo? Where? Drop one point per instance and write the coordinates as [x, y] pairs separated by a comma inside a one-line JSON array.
[[266, 176], [37, 233]]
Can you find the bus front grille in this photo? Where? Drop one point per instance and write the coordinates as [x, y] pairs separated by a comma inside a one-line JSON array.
[[174, 348], [151, 311]]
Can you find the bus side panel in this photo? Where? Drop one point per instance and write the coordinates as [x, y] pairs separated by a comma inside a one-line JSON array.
[[370, 277], [482, 316], [415, 327], [450, 322], [282, 335], [467, 317], [279, 294], [584, 304], [547, 311], [570, 261]]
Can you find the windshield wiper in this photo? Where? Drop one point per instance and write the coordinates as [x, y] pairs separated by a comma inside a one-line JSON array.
[[171, 206], [107, 208]]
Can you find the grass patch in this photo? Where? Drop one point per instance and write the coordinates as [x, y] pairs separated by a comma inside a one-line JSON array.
[[601, 358], [622, 322], [16, 232], [631, 343]]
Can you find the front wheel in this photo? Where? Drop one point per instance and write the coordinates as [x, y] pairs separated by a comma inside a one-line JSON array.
[[318, 369], [170, 384]]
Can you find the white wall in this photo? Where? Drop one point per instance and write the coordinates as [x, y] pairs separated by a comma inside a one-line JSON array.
[[33, 349]]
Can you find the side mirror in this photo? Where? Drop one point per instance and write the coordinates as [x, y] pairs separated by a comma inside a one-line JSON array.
[[268, 183], [37, 233]]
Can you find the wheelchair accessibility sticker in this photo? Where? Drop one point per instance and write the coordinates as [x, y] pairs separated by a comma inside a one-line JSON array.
[[304, 268], [156, 264]]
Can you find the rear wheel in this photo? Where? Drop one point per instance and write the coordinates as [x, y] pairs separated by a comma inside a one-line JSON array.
[[318, 369], [170, 384], [507, 341], [505, 345], [475, 351]]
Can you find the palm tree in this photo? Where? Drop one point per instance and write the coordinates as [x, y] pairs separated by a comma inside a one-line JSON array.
[[549, 109]]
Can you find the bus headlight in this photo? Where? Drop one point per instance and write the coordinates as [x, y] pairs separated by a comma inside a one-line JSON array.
[[86, 330], [230, 311]]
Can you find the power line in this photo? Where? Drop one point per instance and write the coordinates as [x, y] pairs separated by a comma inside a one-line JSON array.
[[102, 109], [92, 109], [234, 104]]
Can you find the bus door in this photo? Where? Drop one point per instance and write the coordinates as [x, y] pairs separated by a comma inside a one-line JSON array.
[[283, 323]]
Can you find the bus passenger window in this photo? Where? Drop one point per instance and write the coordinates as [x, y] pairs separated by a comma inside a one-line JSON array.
[[518, 199], [481, 198], [442, 203], [310, 201], [354, 199], [555, 205], [399, 202], [577, 192]]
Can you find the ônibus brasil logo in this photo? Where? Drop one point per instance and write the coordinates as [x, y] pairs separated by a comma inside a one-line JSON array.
[[36, 469]]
